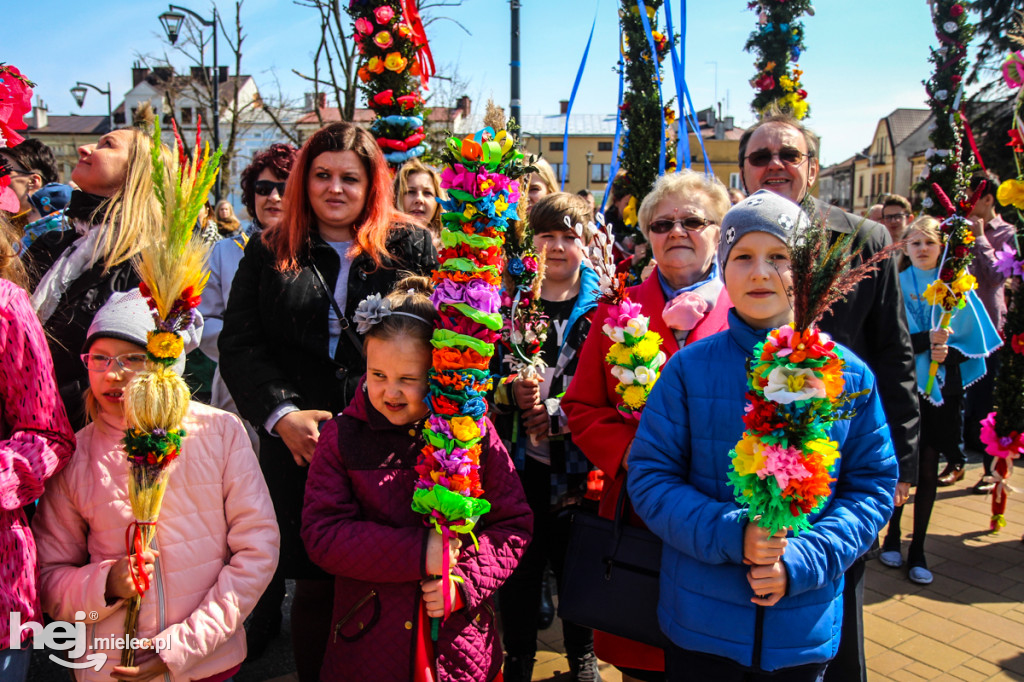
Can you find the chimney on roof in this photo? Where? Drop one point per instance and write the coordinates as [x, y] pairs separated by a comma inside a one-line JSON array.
[[465, 105], [37, 119], [222, 74], [139, 73], [730, 122], [321, 100], [197, 73], [563, 106]]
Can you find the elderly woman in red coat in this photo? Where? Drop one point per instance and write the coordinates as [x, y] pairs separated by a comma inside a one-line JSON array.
[[686, 301]]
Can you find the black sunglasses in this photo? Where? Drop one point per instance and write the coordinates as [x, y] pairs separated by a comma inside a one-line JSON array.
[[265, 187], [691, 224], [787, 155]]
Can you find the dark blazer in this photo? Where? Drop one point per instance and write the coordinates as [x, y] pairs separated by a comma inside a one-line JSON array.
[[872, 322], [274, 348], [68, 326]]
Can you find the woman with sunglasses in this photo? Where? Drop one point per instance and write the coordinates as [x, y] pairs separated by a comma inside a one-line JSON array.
[[686, 301], [289, 352]]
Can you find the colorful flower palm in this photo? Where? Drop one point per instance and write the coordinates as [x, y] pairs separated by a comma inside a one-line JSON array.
[[783, 465], [1002, 431], [173, 271], [776, 43], [398, 63], [481, 179]]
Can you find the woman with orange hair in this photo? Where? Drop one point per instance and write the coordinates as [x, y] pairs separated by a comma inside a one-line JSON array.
[[289, 352]]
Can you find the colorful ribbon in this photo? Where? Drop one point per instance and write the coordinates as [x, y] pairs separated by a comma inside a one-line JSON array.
[[424, 57], [642, 8]]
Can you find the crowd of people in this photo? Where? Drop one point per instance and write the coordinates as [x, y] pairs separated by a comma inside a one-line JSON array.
[[302, 464]]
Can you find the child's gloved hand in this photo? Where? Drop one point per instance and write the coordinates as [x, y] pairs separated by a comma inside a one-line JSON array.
[[433, 596], [119, 580], [769, 583], [761, 548], [435, 545]]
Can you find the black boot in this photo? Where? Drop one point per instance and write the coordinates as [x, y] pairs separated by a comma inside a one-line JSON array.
[[518, 669], [584, 668], [546, 614]]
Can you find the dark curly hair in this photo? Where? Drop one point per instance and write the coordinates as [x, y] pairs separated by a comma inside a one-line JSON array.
[[279, 158]]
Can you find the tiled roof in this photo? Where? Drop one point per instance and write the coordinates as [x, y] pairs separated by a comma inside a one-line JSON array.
[[69, 125], [902, 122], [329, 114]]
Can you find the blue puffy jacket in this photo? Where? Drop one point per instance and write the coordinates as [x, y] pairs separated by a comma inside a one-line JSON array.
[[678, 483]]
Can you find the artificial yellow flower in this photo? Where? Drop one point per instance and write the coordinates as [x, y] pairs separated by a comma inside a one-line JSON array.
[[634, 396], [394, 61], [828, 449], [749, 458], [968, 238], [1011, 193], [629, 213], [164, 345], [465, 429], [500, 205], [936, 292], [964, 283], [647, 347], [619, 354], [375, 65], [786, 83]]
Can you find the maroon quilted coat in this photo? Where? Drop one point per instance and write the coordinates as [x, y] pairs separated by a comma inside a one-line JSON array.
[[357, 524]]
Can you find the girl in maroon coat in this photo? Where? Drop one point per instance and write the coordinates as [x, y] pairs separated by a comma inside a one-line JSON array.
[[358, 523]]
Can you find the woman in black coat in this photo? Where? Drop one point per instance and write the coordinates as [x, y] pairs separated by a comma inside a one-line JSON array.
[[289, 352]]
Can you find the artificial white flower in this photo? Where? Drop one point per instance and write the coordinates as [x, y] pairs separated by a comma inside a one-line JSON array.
[[927, 202], [637, 327], [790, 385], [949, 26], [623, 374], [645, 375], [614, 333]]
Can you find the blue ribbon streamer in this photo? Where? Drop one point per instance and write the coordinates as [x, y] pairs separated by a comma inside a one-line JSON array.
[[572, 98], [687, 113], [616, 150], [657, 73]]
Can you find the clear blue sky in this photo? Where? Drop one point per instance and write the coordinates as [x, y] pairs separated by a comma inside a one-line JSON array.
[[863, 58]]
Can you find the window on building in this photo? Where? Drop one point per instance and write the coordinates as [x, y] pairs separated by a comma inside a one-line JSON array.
[[558, 171], [604, 146], [600, 172], [860, 187], [556, 146], [734, 181], [186, 116], [872, 185], [886, 190]]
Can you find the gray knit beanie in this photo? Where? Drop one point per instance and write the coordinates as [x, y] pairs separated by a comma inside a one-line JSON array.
[[126, 316], [762, 211]]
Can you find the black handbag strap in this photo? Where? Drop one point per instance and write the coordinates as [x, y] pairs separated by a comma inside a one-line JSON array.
[[342, 320], [620, 518]]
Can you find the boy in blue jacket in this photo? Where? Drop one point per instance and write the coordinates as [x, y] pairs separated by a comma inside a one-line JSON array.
[[737, 603]]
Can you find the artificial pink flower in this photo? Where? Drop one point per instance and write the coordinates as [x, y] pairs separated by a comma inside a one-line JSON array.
[[363, 26], [684, 311], [784, 464], [384, 14]]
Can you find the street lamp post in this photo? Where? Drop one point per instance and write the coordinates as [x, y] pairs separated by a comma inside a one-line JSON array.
[[78, 92], [172, 20], [590, 160]]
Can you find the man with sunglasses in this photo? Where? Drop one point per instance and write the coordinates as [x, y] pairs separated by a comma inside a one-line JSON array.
[[779, 154]]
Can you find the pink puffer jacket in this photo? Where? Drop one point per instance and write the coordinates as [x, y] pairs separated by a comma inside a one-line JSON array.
[[36, 440], [217, 536]]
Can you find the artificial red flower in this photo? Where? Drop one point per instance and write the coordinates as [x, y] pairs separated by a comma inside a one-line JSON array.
[[1017, 342], [385, 98], [956, 10], [960, 251], [1015, 141]]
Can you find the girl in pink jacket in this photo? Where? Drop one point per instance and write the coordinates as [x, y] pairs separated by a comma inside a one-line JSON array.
[[217, 541]]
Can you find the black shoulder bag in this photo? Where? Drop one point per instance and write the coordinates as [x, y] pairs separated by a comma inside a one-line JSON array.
[[611, 574]]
